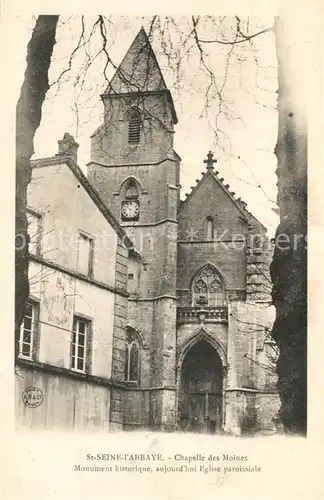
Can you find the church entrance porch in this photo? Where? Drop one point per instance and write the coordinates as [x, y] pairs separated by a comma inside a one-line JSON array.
[[201, 390]]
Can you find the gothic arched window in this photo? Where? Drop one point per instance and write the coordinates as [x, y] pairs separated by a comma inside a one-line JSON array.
[[207, 288], [130, 206], [132, 356], [134, 126], [210, 228]]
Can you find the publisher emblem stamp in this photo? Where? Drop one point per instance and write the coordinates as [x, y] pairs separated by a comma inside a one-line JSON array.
[[32, 397]]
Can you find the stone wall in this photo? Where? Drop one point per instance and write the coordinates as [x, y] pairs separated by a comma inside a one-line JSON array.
[[208, 199], [136, 409], [259, 255], [156, 200], [229, 262], [249, 324], [109, 144], [240, 412], [186, 331]]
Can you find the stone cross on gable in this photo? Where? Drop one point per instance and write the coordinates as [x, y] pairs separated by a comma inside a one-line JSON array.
[[210, 161]]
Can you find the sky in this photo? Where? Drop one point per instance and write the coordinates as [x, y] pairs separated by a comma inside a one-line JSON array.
[[247, 132]]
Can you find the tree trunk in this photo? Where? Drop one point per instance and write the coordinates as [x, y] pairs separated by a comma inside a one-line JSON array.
[[289, 265], [28, 117]]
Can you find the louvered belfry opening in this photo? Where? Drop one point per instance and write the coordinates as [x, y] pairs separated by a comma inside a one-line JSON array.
[[134, 127]]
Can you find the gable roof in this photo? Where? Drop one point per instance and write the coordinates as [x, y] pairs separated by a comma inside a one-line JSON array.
[[139, 72], [66, 159], [238, 202]]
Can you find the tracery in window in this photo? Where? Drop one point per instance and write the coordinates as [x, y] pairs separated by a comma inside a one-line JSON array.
[[207, 288], [200, 287], [132, 356]]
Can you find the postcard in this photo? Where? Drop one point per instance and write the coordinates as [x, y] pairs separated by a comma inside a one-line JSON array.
[[166, 232]]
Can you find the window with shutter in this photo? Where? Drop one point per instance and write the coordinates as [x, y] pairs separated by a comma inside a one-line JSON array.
[[134, 127]]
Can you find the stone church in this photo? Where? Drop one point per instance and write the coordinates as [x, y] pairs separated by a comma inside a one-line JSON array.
[[187, 293], [189, 347]]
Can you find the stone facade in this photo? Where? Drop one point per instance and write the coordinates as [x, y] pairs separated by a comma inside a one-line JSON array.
[[185, 340], [176, 240]]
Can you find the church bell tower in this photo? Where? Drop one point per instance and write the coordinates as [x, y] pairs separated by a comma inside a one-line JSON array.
[[136, 173]]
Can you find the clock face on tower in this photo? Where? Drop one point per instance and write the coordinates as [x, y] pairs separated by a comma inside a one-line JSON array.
[[130, 210]]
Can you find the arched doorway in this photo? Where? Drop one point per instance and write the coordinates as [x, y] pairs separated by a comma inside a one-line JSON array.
[[201, 389]]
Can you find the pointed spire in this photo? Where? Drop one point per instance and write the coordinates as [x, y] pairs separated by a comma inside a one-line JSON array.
[[139, 71], [210, 161]]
